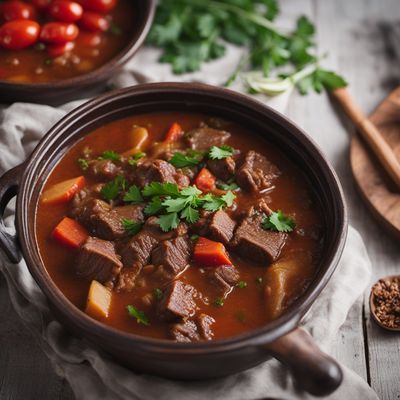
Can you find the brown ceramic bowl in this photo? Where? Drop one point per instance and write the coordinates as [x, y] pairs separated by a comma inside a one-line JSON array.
[[315, 372], [86, 85]]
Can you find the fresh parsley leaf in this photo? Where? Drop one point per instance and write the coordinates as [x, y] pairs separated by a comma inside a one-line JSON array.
[[176, 205], [228, 198], [180, 160], [278, 221], [227, 186], [83, 163], [219, 302], [218, 153], [154, 207], [214, 203], [113, 188], [158, 293], [190, 214], [160, 189], [139, 315], [190, 191], [194, 238], [133, 160], [133, 195], [329, 79], [109, 155], [168, 222], [242, 284], [132, 227]]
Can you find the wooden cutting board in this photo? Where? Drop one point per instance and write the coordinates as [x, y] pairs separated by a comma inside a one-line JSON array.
[[380, 195]]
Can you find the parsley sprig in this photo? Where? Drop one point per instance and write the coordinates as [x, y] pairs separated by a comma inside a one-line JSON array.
[[109, 155], [131, 227], [278, 221], [138, 315], [180, 160], [218, 153], [113, 188]]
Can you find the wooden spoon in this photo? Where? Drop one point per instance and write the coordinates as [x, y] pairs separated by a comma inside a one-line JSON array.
[[372, 305], [370, 133]]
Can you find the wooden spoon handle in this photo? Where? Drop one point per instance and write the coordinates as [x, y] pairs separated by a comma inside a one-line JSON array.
[[370, 133]]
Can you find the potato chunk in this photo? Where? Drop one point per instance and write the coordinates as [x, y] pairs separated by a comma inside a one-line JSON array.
[[98, 301]]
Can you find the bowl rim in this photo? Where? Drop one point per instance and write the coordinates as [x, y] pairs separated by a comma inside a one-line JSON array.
[[256, 337], [121, 58]]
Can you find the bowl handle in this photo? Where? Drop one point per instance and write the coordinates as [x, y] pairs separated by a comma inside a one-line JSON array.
[[314, 371], [9, 184]]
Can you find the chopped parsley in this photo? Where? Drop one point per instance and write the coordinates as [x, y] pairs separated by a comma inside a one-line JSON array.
[[278, 221], [132, 227], [214, 203], [180, 160], [133, 160], [219, 302], [109, 155], [139, 315], [113, 188], [133, 195], [160, 189], [242, 284], [158, 293], [83, 163], [194, 238], [218, 153], [154, 207], [227, 186]]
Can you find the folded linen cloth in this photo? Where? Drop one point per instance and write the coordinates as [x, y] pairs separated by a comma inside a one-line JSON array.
[[92, 374]]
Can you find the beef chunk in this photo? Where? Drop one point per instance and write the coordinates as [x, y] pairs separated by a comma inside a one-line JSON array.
[[103, 221], [224, 278], [193, 331], [204, 137], [138, 249], [103, 169], [177, 302], [184, 332], [256, 172], [223, 169], [221, 227], [127, 277], [173, 255], [204, 322], [97, 260], [159, 171], [253, 242]]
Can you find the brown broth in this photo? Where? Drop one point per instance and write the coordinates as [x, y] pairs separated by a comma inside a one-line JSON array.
[[244, 309]]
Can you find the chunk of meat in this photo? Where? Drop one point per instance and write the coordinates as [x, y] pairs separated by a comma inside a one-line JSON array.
[[204, 137], [101, 220], [159, 171], [127, 277], [204, 323], [223, 278], [184, 332], [138, 249], [255, 243], [173, 255], [223, 169], [177, 302], [221, 227], [97, 260], [103, 169], [256, 173]]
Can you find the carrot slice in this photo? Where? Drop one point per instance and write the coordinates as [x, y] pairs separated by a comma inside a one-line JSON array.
[[205, 180], [64, 191], [70, 233], [208, 253], [174, 133]]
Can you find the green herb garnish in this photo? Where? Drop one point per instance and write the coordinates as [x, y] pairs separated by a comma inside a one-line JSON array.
[[139, 315], [83, 163], [113, 188], [278, 221], [214, 203], [227, 186], [132, 227], [180, 160], [218, 153], [194, 238], [133, 195], [160, 189], [109, 155], [219, 302], [242, 284], [137, 156], [154, 207], [168, 222]]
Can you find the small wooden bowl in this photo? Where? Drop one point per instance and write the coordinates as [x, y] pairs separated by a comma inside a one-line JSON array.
[[86, 85], [372, 306]]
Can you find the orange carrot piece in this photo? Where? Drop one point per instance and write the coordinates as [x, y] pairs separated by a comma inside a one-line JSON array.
[[174, 133], [70, 233], [208, 253], [64, 191], [205, 180]]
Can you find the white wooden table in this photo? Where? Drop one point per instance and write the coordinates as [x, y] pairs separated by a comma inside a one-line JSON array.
[[350, 30]]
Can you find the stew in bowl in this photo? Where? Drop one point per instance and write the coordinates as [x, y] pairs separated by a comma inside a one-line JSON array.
[[179, 226]]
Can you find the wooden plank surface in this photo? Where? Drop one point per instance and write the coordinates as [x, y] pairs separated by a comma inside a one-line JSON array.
[[350, 30]]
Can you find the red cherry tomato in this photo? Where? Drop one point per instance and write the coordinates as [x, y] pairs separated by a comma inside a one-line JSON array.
[[41, 5], [59, 32], [12, 10], [100, 6], [93, 22], [56, 50], [65, 11], [18, 34], [89, 39]]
